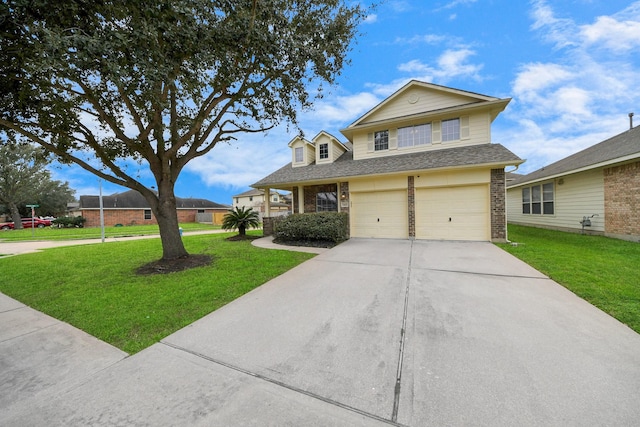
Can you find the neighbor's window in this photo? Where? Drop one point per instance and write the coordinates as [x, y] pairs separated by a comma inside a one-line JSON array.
[[381, 140], [538, 199], [147, 214], [324, 151], [299, 154], [327, 202], [411, 136], [201, 211], [450, 130]]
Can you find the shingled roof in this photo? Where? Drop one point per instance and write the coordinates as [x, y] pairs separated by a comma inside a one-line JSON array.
[[133, 200], [345, 166], [622, 147]]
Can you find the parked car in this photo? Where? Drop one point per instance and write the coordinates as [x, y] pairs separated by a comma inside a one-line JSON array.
[[27, 223]]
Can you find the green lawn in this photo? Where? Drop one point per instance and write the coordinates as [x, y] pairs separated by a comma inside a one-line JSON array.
[[49, 233], [601, 270], [94, 288]]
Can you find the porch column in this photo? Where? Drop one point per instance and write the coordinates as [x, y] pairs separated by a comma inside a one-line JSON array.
[[300, 199], [267, 202]]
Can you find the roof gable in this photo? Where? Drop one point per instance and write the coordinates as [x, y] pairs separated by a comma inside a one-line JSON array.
[[420, 96]]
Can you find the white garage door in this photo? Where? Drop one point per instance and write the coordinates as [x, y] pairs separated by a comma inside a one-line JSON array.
[[453, 213], [380, 214]]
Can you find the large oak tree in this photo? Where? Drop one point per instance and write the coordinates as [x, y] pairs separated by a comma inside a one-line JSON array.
[[24, 179], [161, 82]]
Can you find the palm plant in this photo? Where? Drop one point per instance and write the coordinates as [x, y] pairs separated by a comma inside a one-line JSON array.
[[240, 218]]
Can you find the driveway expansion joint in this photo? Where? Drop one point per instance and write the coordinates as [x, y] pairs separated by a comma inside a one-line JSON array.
[[284, 385]]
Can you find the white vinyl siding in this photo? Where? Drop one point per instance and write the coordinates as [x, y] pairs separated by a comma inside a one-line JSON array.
[[579, 195]]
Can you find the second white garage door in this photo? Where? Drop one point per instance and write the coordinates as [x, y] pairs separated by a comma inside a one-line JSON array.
[[380, 214], [453, 213]]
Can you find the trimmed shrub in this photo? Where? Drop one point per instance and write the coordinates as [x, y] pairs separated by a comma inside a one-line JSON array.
[[69, 222], [322, 226]]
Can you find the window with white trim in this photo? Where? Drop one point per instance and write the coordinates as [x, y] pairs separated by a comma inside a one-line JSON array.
[[381, 140], [327, 202], [538, 199], [451, 130], [411, 136], [324, 151], [299, 157], [147, 214]]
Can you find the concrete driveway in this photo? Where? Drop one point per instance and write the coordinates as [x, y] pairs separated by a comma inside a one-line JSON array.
[[372, 332]]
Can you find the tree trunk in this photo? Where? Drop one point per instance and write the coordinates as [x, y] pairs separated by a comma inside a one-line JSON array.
[[15, 216], [167, 216], [242, 230]]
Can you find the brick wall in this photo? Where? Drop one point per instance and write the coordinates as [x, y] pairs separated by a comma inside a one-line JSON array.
[[622, 200], [133, 216], [411, 199], [498, 206]]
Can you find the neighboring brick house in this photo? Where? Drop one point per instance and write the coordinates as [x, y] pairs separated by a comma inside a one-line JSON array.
[[600, 183], [131, 208], [254, 198], [418, 165]]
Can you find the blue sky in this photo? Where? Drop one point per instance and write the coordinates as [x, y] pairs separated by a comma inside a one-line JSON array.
[[572, 68]]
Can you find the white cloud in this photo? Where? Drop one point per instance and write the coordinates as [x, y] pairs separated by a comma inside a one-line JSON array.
[[580, 98], [456, 3], [617, 36], [423, 39], [451, 64], [370, 19]]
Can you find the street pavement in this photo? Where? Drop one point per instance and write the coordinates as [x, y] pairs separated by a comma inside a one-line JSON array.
[[371, 332]]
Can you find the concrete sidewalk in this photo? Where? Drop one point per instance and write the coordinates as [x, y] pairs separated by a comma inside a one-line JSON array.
[[372, 332], [17, 248]]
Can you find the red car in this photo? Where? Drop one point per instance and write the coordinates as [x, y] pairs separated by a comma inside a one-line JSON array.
[[27, 223]]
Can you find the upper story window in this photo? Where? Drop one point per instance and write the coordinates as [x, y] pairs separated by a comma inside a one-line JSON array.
[[324, 151], [411, 136], [450, 130], [538, 199], [299, 155], [381, 140]]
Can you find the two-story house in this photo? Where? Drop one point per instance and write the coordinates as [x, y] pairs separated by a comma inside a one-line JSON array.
[[255, 199], [418, 165]]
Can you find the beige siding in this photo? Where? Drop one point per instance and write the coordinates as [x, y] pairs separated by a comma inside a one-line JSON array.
[[453, 178], [323, 139], [579, 195], [479, 133], [379, 184], [309, 153], [418, 100]]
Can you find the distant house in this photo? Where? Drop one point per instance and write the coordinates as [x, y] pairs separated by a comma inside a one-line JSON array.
[[420, 164], [131, 208], [280, 203], [598, 187]]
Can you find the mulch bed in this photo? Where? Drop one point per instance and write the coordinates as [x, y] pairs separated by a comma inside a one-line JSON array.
[[306, 243], [174, 265]]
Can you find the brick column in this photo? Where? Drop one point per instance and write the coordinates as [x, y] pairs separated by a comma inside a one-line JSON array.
[[498, 206], [411, 199], [267, 226]]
